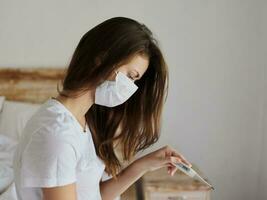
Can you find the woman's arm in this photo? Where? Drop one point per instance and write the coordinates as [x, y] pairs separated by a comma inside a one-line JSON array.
[[163, 157], [66, 192], [111, 188]]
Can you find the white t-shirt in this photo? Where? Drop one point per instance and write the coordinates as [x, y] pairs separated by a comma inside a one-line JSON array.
[[54, 151]]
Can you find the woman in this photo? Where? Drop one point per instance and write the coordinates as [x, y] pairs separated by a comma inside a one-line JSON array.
[[113, 91]]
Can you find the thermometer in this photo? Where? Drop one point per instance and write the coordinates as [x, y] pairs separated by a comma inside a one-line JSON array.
[[192, 173]]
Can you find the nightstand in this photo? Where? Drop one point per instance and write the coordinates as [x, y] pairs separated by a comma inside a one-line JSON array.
[[159, 185]]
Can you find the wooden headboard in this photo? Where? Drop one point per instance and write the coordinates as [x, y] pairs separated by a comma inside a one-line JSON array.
[[33, 85]]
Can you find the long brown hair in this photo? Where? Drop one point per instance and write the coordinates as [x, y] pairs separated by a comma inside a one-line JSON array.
[[102, 50]]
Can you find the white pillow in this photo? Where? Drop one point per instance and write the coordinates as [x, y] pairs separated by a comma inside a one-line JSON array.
[[14, 116], [2, 99]]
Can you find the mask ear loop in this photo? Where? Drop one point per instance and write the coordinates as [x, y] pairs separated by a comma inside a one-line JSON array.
[[116, 72]]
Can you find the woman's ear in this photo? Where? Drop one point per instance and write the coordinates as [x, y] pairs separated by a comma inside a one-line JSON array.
[[97, 61], [99, 58]]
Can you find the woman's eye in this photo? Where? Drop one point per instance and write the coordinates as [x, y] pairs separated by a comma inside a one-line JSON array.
[[130, 77]]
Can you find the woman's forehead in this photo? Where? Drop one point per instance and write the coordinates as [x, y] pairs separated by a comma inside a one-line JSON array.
[[138, 63]]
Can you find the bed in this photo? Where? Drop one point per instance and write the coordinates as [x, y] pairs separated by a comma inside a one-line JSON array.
[[22, 91]]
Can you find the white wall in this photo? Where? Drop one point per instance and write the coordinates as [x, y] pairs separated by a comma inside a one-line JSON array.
[[215, 100], [263, 163], [213, 113]]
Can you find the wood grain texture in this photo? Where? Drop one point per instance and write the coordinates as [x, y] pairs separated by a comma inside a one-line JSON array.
[[161, 180], [32, 85], [160, 185]]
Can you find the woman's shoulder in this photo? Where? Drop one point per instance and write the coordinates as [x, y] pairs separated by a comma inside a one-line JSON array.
[[50, 120], [50, 150]]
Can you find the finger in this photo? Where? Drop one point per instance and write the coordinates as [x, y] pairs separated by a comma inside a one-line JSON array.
[[174, 153], [173, 167], [171, 151], [172, 160], [169, 167], [184, 160], [173, 171], [175, 159], [168, 160]]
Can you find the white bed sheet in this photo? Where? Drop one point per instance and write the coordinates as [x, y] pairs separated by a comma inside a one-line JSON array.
[[7, 149]]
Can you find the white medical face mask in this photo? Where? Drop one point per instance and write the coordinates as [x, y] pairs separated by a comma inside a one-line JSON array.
[[113, 93]]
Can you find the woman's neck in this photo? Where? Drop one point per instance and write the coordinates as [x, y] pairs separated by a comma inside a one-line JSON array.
[[80, 105]]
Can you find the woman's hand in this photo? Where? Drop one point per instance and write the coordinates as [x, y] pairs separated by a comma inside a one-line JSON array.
[[163, 157]]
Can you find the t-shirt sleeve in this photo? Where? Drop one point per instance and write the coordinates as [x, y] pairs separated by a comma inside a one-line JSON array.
[[48, 162]]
